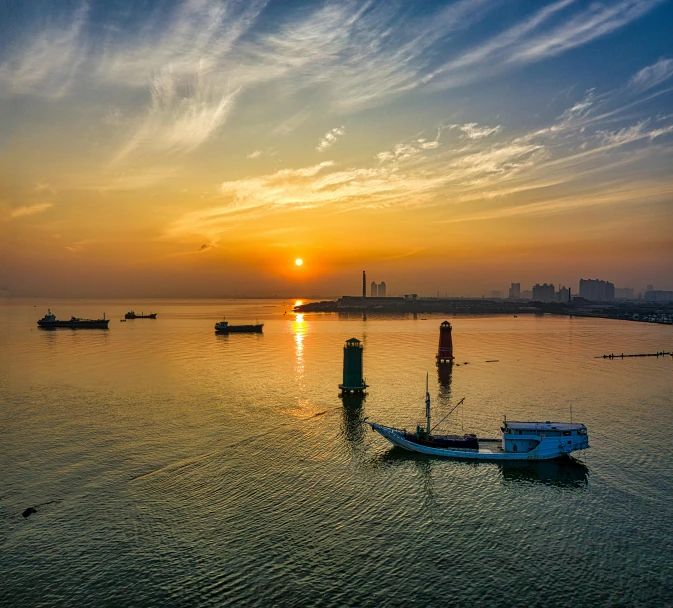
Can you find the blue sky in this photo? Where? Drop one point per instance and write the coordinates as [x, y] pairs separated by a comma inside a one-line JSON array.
[[507, 128]]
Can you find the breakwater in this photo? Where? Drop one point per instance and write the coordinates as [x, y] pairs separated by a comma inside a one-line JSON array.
[[623, 356]]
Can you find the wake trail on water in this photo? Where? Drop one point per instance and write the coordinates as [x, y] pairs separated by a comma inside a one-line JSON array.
[[176, 466]]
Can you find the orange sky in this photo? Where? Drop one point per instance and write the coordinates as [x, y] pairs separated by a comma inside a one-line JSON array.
[[202, 157]]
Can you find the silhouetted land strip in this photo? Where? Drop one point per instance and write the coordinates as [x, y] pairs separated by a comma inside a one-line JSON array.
[[419, 305], [649, 312]]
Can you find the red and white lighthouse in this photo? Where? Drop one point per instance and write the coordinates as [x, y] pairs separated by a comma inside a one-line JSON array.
[[445, 350]]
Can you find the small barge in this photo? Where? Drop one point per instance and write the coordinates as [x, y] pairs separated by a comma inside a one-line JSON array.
[[133, 315], [223, 327], [49, 321], [517, 441]]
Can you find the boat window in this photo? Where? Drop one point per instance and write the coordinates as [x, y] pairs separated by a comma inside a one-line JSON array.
[[566, 433], [582, 432]]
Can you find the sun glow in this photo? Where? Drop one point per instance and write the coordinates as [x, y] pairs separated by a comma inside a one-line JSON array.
[[299, 261]]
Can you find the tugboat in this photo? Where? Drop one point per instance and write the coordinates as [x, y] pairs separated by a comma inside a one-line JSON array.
[[49, 321], [133, 315], [223, 327], [518, 440]]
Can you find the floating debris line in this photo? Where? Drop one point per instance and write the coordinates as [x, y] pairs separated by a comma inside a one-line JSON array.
[[623, 356]]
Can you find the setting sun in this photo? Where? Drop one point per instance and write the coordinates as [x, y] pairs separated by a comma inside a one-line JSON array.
[[299, 261]]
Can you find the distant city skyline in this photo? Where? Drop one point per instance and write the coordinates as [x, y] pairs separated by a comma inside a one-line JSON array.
[[516, 290]]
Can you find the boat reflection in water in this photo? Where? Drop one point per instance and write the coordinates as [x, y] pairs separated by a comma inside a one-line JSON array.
[[561, 472], [564, 472]]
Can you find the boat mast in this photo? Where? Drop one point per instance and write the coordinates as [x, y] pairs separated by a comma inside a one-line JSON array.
[[427, 403]]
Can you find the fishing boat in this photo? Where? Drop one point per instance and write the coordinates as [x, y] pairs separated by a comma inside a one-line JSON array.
[[223, 327], [133, 315], [517, 441], [49, 321]]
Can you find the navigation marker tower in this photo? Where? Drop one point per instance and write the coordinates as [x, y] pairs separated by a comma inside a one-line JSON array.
[[445, 350], [353, 379]]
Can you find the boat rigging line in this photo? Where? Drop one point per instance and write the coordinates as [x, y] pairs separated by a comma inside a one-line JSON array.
[[445, 417]]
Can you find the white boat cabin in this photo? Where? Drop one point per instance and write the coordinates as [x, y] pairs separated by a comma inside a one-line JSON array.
[[526, 436]]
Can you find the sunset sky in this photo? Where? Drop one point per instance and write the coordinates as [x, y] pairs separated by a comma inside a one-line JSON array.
[[199, 148]]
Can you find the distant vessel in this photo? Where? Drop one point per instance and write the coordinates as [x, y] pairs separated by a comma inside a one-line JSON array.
[[133, 315], [49, 321], [518, 441], [223, 327]]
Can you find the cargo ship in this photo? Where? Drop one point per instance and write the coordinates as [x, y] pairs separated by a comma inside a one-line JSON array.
[[49, 321], [133, 315], [223, 327]]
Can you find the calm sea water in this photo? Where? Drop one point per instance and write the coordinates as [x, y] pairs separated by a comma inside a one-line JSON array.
[[173, 466]]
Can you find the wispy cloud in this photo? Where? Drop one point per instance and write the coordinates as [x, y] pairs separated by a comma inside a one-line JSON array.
[[78, 246], [290, 124], [177, 123], [476, 164], [652, 75], [48, 61], [474, 131], [173, 80], [552, 205], [121, 181], [260, 153], [551, 31], [30, 209], [321, 185], [193, 62], [330, 138]]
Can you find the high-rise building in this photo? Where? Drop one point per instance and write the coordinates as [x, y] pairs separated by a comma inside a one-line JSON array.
[[527, 294], [624, 293], [658, 295], [544, 292], [563, 295], [595, 290], [364, 284], [515, 291], [382, 289], [374, 290]]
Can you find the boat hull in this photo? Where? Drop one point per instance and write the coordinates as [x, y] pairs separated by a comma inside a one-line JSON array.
[[80, 324], [240, 329], [129, 315], [547, 449]]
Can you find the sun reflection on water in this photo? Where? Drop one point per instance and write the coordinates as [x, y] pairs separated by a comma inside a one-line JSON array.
[[299, 328]]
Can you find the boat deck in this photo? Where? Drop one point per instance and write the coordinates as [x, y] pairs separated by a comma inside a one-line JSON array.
[[487, 445], [490, 446]]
